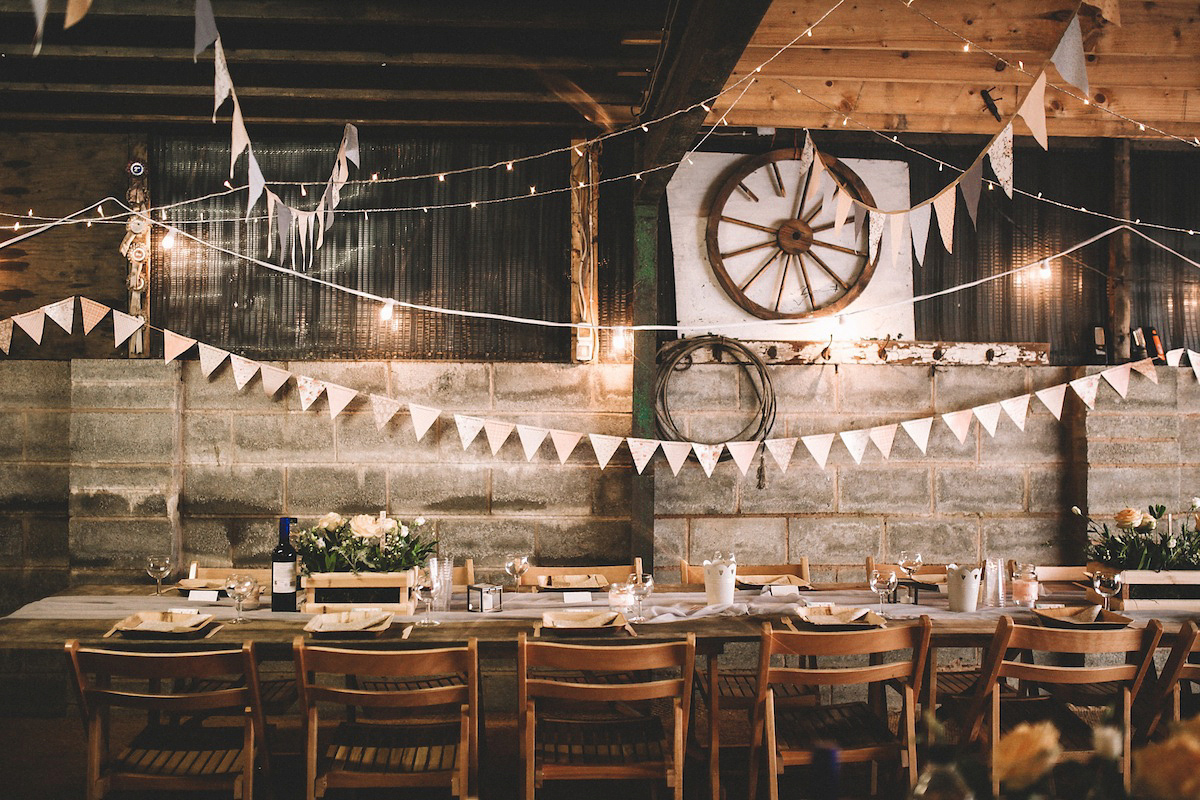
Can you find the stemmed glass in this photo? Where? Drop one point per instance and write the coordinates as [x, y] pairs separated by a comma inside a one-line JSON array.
[[239, 586], [910, 561], [159, 567], [516, 566], [424, 593], [1107, 585], [882, 583], [641, 587]]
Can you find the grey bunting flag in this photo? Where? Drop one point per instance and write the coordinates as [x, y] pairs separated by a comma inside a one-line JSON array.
[[1069, 58], [284, 213], [918, 220], [970, 184], [351, 139], [206, 28]]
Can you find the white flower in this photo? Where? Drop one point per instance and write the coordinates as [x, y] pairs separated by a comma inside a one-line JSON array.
[[319, 543], [1108, 742], [1195, 504], [403, 531], [365, 526], [1171, 543], [390, 525], [419, 521], [331, 521]]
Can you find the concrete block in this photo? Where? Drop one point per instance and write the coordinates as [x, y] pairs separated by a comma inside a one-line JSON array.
[[317, 490], [47, 540], [108, 437], [358, 440], [539, 387], [365, 377], [35, 384], [1050, 490], [283, 438], [1144, 453], [704, 387], [713, 426], [47, 436], [979, 491], [117, 544], [220, 393], [560, 490], [1136, 426], [123, 384], [963, 387], [108, 491], [565, 542], [12, 436], [12, 538], [207, 438], [236, 542], [940, 541], [1145, 395], [417, 490], [1028, 539], [219, 491], [803, 489], [834, 540], [33, 487], [1189, 487], [754, 540], [1189, 439], [872, 388], [692, 493], [670, 544], [799, 388], [449, 386], [1111, 488], [884, 490], [1045, 440], [486, 539], [612, 388]]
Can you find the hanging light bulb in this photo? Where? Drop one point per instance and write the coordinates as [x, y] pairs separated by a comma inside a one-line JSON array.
[[303, 191], [374, 176], [533, 190], [442, 178], [966, 48], [508, 166], [169, 240], [620, 341], [1044, 271], [31, 212], [386, 312]]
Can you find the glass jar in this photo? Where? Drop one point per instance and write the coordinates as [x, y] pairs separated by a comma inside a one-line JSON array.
[[620, 597], [1024, 585]]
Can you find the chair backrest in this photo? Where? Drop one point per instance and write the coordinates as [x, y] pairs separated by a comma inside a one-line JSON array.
[[261, 574], [464, 575], [689, 573], [924, 569], [613, 573], [1059, 574], [1177, 666]]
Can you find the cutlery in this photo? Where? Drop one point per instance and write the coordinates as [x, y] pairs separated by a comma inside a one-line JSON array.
[[407, 630]]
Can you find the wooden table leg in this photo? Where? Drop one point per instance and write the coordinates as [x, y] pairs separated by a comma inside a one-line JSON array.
[[714, 736]]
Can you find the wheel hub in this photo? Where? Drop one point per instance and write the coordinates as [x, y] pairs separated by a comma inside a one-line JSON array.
[[794, 237]]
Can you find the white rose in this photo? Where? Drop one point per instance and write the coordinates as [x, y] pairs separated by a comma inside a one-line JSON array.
[[365, 526], [390, 525], [419, 521], [1195, 504], [1108, 742], [331, 521], [1128, 518], [404, 531]]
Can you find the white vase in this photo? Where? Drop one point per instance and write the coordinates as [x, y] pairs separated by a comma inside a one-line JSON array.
[[962, 585], [719, 577]]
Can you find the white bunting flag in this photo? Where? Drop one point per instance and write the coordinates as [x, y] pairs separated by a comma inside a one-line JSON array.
[[642, 451], [818, 447], [564, 443], [1052, 398], [806, 156], [988, 416], [875, 223], [531, 439], [1118, 378], [781, 450], [1000, 153], [708, 455], [856, 442], [175, 345], [918, 222], [743, 453], [676, 453], [33, 323], [959, 422], [239, 139], [1146, 367], [1033, 110], [39, 18], [310, 389], [210, 358], [918, 430], [273, 378], [1086, 387], [222, 83], [124, 326], [63, 313], [1174, 357], [844, 200], [93, 312], [898, 236], [883, 436], [243, 370], [256, 183], [604, 447], [1017, 409], [969, 184], [383, 409], [1069, 58], [6, 335], [1194, 360], [468, 428], [943, 204], [423, 418], [338, 398], [815, 184], [497, 433]]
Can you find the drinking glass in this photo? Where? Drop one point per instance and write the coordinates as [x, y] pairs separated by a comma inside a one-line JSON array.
[[641, 587], [516, 566], [910, 561], [424, 591], [1107, 585], [239, 586], [159, 567], [883, 583]]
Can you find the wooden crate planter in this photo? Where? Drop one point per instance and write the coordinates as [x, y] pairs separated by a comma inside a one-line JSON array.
[[389, 591], [1139, 587]]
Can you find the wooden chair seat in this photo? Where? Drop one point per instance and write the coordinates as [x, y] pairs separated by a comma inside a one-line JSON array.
[[182, 751], [1075, 735], [411, 683], [278, 694], [737, 688], [411, 748], [617, 742], [851, 726], [1086, 694]]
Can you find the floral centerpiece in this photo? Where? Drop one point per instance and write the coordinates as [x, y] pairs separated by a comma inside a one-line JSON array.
[[1143, 541], [362, 543]]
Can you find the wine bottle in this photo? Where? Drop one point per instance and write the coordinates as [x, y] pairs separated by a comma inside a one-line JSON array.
[[283, 569]]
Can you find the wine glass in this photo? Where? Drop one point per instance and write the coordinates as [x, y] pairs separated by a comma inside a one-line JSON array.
[[159, 567], [641, 587], [910, 561], [1107, 585], [423, 589], [516, 566], [239, 586], [882, 583]]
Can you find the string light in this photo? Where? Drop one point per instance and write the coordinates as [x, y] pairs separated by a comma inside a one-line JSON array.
[[967, 48], [374, 176], [473, 204], [385, 313], [1044, 270], [442, 177], [533, 190], [508, 166], [578, 152], [228, 185], [168, 241], [620, 340], [31, 212], [303, 191]]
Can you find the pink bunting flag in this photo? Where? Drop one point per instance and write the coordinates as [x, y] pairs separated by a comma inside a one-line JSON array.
[[310, 389], [383, 409], [124, 326], [604, 447], [6, 327], [93, 312], [883, 436], [1017, 409], [243, 370], [943, 204], [959, 422], [642, 451], [1052, 398], [743, 453], [564, 443], [918, 430], [1033, 110], [988, 416], [708, 455], [175, 345], [897, 238], [210, 358], [497, 433], [1086, 387], [844, 200], [856, 443], [918, 222], [531, 439], [468, 428], [423, 418], [1000, 153], [63, 313], [33, 323], [1118, 378], [781, 450], [273, 378], [338, 398], [818, 447], [1146, 367], [1174, 357], [676, 453]]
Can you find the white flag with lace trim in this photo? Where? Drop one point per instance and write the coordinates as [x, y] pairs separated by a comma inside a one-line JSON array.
[[497, 432], [211, 358], [818, 447], [423, 418], [604, 447], [676, 453], [383, 409], [531, 439], [642, 451], [468, 428]]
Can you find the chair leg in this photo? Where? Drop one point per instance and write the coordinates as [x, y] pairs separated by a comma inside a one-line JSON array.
[[310, 755], [527, 741], [714, 735], [772, 750], [679, 750]]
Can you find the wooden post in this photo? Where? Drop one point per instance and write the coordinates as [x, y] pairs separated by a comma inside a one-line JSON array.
[[1120, 255], [585, 196], [645, 348], [138, 253]]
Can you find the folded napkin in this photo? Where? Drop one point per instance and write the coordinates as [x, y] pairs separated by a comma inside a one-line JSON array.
[[576, 581], [163, 622], [772, 580], [579, 619], [833, 615], [348, 621]]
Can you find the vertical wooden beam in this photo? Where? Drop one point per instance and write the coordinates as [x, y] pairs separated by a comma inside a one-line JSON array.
[[1120, 256], [585, 197], [645, 348], [138, 254]]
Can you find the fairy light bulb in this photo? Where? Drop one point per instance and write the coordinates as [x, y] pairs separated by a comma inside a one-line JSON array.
[[1044, 270], [374, 176], [533, 190], [228, 185], [645, 129], [620, 341], [578, 152], [442, 178], [385, 313], [705, 106], [303, 191], [168, 241], [31, 212], [966, 48], [473, 204], [508, 166]]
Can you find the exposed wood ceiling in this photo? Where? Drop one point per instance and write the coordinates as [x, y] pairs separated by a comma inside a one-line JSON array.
[[890, 68]]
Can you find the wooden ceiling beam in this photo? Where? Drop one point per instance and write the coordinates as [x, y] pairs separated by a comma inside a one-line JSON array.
[[431, 121]]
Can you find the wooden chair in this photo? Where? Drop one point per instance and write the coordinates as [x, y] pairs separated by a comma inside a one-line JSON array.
[[177, 750], [861, 731], [1165, 696], [463, 575], [1048, 689], [429, 735], [690, 574], [613, 574], [924, 569], [589, 729]]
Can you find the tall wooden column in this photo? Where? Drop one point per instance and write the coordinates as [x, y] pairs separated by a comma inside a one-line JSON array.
[[1120, 255], [645, 346]]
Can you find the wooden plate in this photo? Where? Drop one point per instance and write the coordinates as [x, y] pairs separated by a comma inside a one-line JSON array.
[[1081, 618]]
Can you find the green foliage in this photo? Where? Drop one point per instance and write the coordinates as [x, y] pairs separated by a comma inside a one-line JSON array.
[[1141, 542], [362, 544]]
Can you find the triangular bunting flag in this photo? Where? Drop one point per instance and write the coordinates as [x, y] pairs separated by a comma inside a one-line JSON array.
[[6, 326], [883, 436], [676, 453], [210, 358], [531, 439], [781, 450], [1118, 378], [708, 455], [1174, 357], [806, 155], [604, 447], [818, 447], [350, 148], [1017, 409], [1146, 367], [1052, 398], [423, 418], [843, 207], [93, 312], [76, 10], [206, 27], [272, 378], [897, 238], [918, 430], [815, 184], [875, 223], [468, 428], [988, 416], [1033, 110], [856, 442], [256, 183], [63, 313], [743, 453], [338, 398], [564, 443], [1194, 360], [1069, 59], [497, 433], [222, 83], [859, 219], [969, 184], [1086, 387], [310, 390], [175, 345], [1109, 9], [39, 17], [239, 139], [33, 323], [124, 326], [943, 204], [243, 370], [383, 409], [959, 422], [642, 451], [1000, 153]]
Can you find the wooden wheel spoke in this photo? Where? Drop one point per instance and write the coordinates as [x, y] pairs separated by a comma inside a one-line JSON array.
[[748, 249], [824, 227], [782, 279], [803, 190], [746, 191], [838, 248], [812, 300], [828, 271], [778, 180], [753, 225], [760, 271], [814, 212]]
